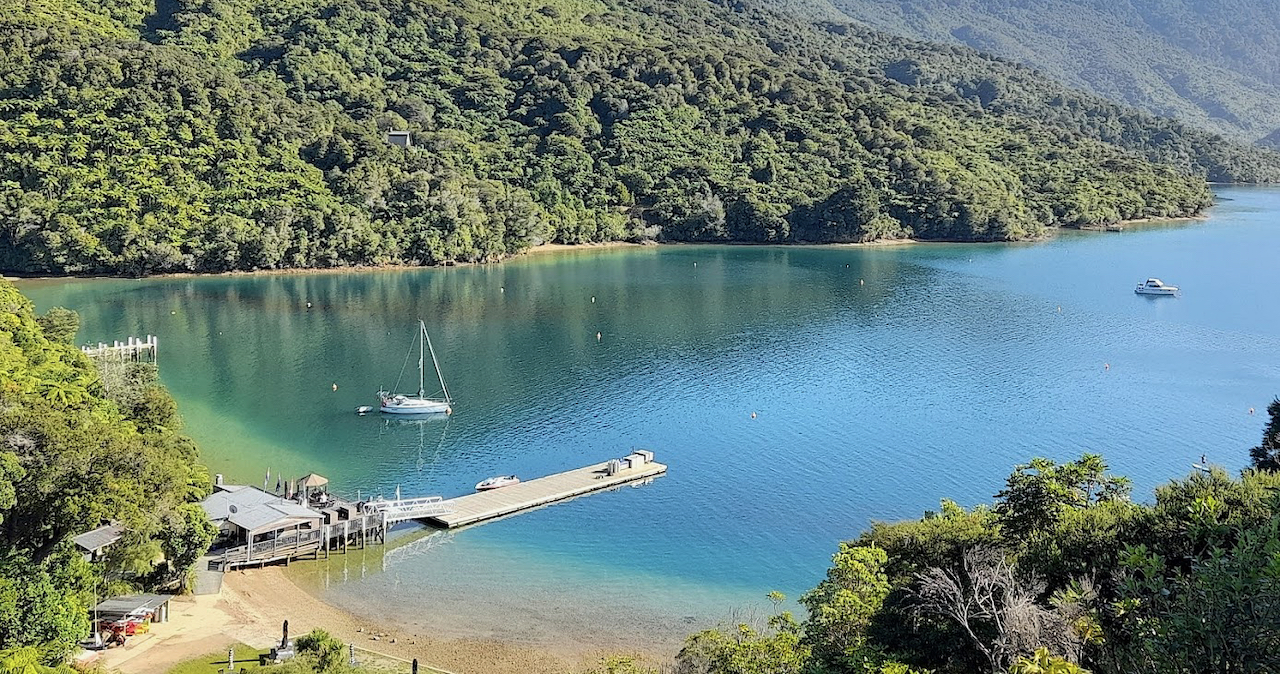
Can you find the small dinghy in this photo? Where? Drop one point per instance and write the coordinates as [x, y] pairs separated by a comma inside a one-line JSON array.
[[497, 482], [364, 409]]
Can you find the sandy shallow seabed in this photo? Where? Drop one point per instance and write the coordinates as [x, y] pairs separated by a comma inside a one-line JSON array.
[[254, 603]]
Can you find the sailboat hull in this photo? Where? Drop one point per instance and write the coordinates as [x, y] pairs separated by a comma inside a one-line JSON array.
[[415, 406]]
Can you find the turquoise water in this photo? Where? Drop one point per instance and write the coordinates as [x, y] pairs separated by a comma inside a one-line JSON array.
[[882, 379]]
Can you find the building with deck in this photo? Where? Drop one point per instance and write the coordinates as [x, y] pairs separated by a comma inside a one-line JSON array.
[[255, 526]]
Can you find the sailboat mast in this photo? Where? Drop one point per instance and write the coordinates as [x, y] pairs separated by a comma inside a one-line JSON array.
[[422, 356], [436, 363]]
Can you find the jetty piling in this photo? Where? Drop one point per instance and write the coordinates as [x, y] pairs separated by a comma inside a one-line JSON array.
[[138, 349]]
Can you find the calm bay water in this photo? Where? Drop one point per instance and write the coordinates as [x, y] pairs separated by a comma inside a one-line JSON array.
[[882, 379]]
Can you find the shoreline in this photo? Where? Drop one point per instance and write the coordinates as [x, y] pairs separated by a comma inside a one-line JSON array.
[[547, 249], [252, 604]]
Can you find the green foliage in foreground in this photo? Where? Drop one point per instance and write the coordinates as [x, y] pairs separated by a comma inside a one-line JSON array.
[[81, 446], [139, 137], [1266, 456], [27, 660], [1064, 575]]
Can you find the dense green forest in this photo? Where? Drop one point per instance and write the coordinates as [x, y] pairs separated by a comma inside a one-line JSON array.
[[83, 445], [1062, 573], [1212, 63], [144, 136]]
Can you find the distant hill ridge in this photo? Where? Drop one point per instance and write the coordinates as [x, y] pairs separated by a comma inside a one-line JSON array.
[[1213, 63], [145, 136]]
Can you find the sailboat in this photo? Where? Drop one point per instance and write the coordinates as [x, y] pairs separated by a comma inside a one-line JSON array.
[[399, 403]]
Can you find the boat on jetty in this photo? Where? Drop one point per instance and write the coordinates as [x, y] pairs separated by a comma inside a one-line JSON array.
[[419, 403], [497, 482], [1154, 286]]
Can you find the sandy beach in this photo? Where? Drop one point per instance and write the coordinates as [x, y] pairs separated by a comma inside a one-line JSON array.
[[254, 603]]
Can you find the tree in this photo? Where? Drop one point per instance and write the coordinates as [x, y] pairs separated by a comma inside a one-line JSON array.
[[621, 664], [1042, 662], [744, 650], [185, 539], [328, 650], [842, 605], [60, 325], [1221, 611], [998, 610], [1038, 491], [1266, 456]]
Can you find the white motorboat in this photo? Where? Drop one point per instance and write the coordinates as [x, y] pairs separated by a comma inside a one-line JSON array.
[[1154, 286], [420, 403], [497, 482]]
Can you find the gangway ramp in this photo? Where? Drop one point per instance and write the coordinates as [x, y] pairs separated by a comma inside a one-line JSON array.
[[402, 510]]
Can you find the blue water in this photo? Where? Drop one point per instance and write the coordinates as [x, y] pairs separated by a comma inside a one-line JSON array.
[[882, 379]]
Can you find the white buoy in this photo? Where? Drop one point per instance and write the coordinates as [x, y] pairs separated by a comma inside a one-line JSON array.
[[335, 386], [502, 289], [597, 336], [593, 299], [308, 305]]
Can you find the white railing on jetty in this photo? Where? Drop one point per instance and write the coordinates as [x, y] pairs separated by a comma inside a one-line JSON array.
[[402, 510], [135, 348]]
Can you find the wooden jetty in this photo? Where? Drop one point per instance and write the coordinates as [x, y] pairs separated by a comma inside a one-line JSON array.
[[487, 505], [311, 525], [135, 348]]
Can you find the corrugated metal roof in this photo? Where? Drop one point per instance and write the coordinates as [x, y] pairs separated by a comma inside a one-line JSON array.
[[99, 538], [218, 506], [254, 509], [118, 606]]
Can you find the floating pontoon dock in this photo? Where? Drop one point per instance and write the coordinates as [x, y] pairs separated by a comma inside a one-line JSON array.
[[487, 505]]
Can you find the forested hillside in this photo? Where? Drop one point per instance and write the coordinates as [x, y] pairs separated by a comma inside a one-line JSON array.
[[1213, 63], [139, 136], [82, 446]]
